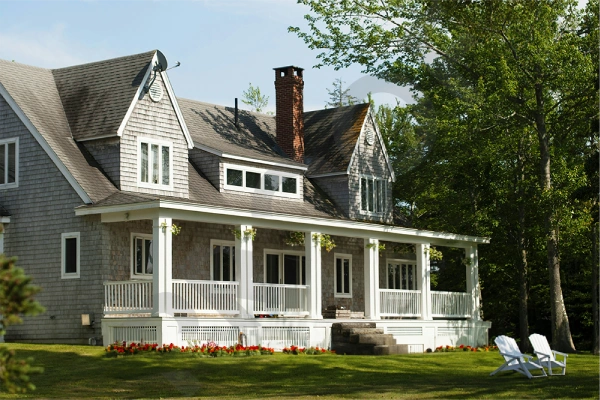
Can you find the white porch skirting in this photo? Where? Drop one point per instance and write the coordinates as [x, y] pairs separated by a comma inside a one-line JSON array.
[[284, 332]]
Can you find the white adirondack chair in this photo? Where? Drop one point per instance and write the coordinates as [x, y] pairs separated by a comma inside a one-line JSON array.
[[547, 356], [515, 360]]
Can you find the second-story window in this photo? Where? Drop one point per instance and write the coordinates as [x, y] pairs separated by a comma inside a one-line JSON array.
[[155, 163], [373, 194], [261, 181]]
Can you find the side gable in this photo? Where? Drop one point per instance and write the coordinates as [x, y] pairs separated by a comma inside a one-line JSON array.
[[32, 95], [370, 123]]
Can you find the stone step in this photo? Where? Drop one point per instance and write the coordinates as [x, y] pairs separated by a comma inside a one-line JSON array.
[[380, 339], [384, 350], [364, 331], [342, 325], [352, 349]]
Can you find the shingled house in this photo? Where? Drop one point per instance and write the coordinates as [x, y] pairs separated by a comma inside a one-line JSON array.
[[148, 217]]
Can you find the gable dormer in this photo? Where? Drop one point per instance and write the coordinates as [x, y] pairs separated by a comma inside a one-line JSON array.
[[348, 160], [126, 116]]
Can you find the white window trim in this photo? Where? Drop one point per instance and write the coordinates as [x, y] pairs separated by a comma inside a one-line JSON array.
[[133, 275], [383, 200], [342, 256], [282, 253], [216, 242], [14, 184], [262, 173], [63, 238], [401, 261], [150, 142]]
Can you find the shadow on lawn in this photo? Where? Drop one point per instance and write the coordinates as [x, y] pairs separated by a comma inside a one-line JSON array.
[[71, 374]]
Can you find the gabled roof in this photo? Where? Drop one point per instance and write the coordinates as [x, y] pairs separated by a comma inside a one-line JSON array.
[[212, 128], [330, 137], [32, 94], [96, 96]]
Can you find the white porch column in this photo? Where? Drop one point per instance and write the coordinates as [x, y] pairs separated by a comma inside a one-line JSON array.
[[473, 280], [244, 271], [424, 280], [371, 266], [162, 264], [313, 274]]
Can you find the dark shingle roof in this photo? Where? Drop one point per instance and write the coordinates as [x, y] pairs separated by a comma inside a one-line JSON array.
[[34, 91], [330, 137], [96, 96], [213, 126], [202, 192]]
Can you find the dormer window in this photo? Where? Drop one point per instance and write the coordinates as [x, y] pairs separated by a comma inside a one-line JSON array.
[[155, 163], [261, 181], [372, 194]]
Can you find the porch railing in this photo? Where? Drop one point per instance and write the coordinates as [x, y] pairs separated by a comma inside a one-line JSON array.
[[450, 304], [206, 297], [280, 299], [401, 303], [127, 297]]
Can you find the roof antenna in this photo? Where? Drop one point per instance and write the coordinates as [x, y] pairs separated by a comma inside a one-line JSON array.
[[237, 120], [174, 66]]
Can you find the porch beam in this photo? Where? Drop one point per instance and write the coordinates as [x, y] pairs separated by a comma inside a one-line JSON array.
[[313, 273], [162, 272], [371, 268], [244, 270], [473, 287], [424, 280]]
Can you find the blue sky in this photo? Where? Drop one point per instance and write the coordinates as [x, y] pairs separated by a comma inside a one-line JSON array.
[[223, 45]]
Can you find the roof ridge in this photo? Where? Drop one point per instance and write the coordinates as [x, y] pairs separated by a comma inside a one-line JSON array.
[[24, 65], [105, 60], [220, 105]]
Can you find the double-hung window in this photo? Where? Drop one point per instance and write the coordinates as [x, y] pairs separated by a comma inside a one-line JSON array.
[[372, 194], [70, 255], [343, 275], [141, 256], [9, 163], [155, 163], [402, 274], [222, 260]]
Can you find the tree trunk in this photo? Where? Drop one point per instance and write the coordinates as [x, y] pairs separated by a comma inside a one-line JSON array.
[[595, 288], [524, 267], [559, 321]]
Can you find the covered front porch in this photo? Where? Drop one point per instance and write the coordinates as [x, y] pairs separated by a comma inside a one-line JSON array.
[[261, 286]]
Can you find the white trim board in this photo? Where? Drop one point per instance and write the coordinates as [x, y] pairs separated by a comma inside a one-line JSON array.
[[219, 153], [45, 146], [270, 220]]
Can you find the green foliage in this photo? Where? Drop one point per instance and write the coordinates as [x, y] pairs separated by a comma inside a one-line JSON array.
[[325, 241], [254, 98], [338, 96], [295, 239], [16, 299], [497, 139]]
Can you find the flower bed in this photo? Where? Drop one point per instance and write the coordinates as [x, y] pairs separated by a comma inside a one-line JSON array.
[[313, 351], [462, 347], [206, 350]]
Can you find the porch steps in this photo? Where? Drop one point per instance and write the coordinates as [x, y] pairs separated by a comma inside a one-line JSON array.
[[363, 338]]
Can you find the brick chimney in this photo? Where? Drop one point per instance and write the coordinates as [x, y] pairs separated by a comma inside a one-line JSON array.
[[289, 105]]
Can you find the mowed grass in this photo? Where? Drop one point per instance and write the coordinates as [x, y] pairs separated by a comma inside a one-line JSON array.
[[84, 372]]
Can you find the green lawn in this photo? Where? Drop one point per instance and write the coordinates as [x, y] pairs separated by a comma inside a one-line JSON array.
[[84, 372]]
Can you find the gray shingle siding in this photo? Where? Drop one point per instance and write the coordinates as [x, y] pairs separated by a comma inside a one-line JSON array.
[[369, 160], [209, 164], [158, 121], [34, 236], [337, 189], [108, 155]]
